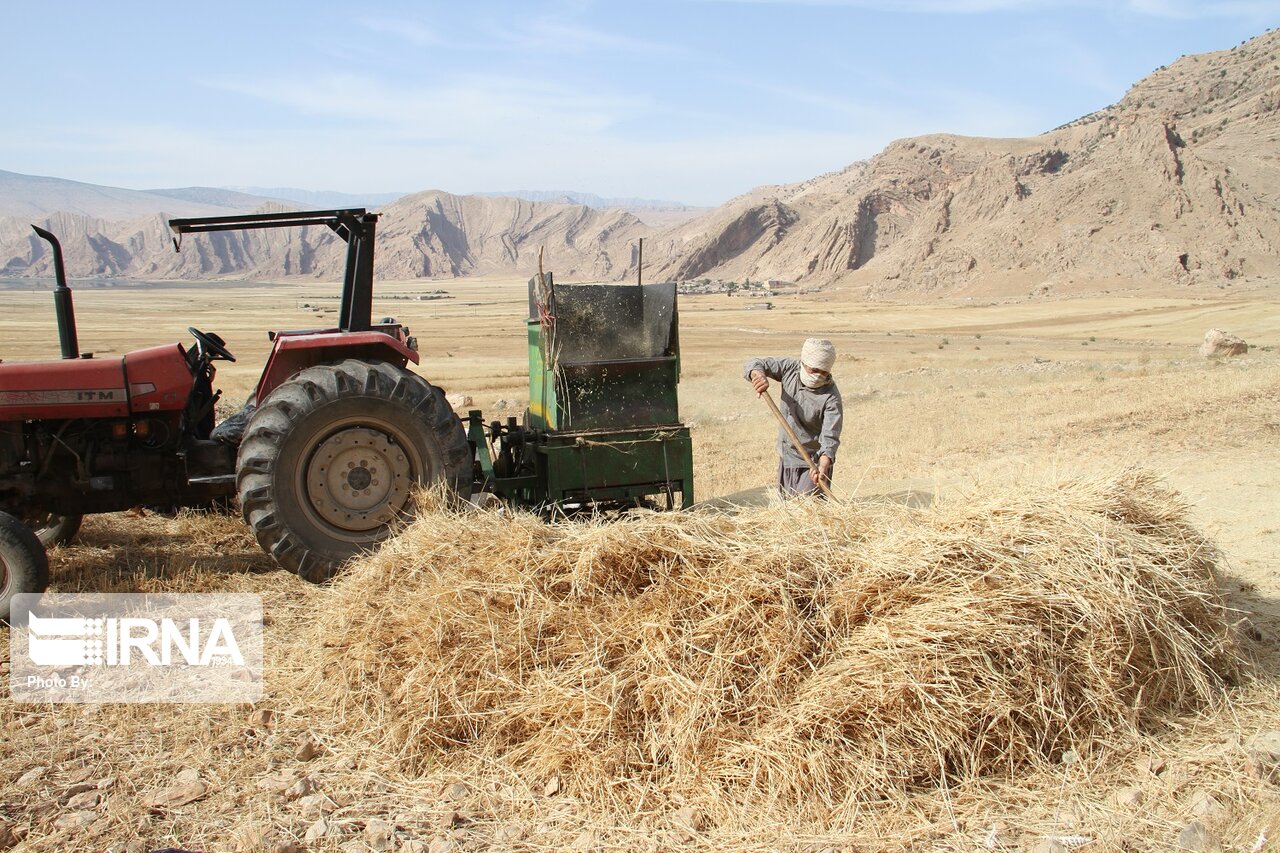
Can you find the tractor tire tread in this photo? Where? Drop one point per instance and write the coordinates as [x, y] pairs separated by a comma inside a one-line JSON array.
[[309, 391]]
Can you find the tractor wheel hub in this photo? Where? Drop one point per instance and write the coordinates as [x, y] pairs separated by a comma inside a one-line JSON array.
[[358, 479]]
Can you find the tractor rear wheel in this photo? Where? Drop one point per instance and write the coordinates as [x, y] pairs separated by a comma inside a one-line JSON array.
[[53, 529], [330, 459], [24, 567]]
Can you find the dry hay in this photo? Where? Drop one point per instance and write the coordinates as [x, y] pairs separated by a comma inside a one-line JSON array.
[[800, 660]]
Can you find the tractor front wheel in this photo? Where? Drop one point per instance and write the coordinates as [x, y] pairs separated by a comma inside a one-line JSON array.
[[24, 566], [330, 459]]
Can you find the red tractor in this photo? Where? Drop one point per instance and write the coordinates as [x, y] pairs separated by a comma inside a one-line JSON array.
[[323, 457]]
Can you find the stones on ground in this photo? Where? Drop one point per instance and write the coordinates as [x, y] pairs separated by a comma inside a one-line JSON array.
[[30, 776], [318, 830], [345, 762], [509, 833], [441, 844], [456, 791], [552, 787], [85, 800], [459, 401], [262, 718], [78, 789], [308, 748], [1049, 845], [1205, 804], [315, 805], [180, 793], [1220, 344], [1263, 751], [454, 818], [80, 774], [379, 834], [288, 847], [75, 820], [1151, 765], [187, 775], [413, 845], [278, 783], [304, 786], [1197, 838], [1130, 798]]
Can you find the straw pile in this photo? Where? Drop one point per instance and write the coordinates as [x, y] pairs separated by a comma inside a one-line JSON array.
[[807, 658]]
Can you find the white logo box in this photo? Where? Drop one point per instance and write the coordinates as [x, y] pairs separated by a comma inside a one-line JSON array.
[[136, 647]]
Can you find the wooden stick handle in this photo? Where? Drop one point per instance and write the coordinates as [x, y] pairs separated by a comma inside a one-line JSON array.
[[795, 442]]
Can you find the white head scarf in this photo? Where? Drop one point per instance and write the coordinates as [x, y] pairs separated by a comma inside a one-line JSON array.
[[819, 354]]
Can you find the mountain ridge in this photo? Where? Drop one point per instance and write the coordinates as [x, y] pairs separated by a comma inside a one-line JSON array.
[[1177, 183], [1174, 184]]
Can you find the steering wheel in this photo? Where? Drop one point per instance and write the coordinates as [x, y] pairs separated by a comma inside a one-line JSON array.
[[211, 344]]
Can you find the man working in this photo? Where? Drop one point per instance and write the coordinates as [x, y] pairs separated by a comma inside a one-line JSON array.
[[811, 405]]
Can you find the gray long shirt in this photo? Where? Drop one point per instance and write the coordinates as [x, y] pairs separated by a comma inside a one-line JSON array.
[[816, 415]]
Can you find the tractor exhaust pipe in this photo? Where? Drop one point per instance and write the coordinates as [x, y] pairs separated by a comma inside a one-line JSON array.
[[62, 299]]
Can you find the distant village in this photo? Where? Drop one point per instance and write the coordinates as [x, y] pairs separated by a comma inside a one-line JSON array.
[[748, 289]]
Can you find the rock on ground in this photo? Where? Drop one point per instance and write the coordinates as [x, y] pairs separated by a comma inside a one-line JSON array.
[[1220, 344]]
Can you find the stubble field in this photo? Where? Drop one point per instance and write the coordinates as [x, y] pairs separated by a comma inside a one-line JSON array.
[[940, 400]]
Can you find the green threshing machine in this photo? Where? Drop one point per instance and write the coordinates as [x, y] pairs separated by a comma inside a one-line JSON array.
[[603, 428]]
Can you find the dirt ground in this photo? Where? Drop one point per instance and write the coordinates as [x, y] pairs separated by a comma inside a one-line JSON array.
[[936, 397]]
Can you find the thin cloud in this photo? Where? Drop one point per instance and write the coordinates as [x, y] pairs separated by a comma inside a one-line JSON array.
[[474, 107], [563, 37], [410, 31]]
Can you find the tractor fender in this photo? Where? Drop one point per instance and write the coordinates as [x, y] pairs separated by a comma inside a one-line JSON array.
[[294, 352]]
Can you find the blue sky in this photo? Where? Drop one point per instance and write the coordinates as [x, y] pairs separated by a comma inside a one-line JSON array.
[[694, 101]]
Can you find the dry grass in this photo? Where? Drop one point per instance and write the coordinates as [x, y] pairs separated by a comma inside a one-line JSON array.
[[807, 671], [797, 664], [899, 679]]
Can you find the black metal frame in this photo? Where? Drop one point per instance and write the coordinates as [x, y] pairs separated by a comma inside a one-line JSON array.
[[356, 228], [62, 301]]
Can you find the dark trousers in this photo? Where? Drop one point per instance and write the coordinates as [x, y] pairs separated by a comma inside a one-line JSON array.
[[798, 481]]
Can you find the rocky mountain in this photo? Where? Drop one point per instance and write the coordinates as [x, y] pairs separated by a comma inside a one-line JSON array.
[[660, 214], [1177, 183], [575, 197], [428, 234]]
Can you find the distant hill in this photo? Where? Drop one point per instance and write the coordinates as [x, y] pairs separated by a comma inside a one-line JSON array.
[[216, 197], [429, 234], [34, 195], [1178, 183], [321, 199]]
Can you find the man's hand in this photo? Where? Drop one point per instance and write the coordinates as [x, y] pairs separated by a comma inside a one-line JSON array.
[[759, 381], [823, 477]]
